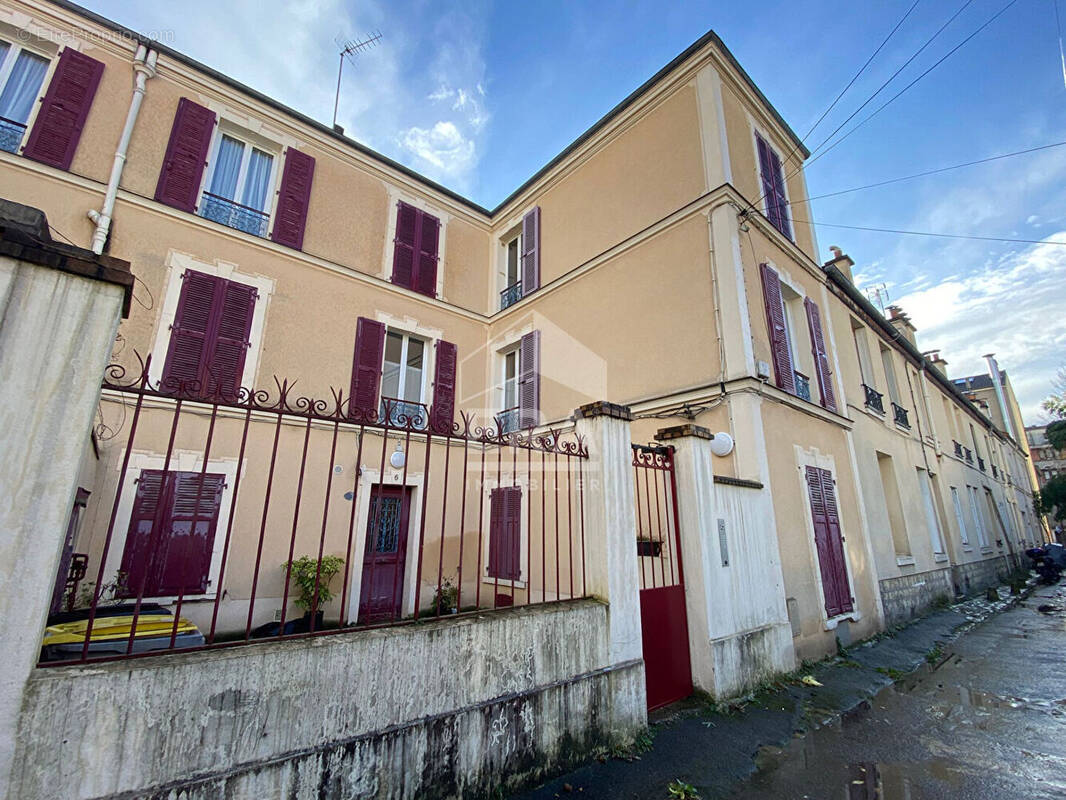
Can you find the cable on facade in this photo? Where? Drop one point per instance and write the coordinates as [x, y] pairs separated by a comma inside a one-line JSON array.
[[928, 233]]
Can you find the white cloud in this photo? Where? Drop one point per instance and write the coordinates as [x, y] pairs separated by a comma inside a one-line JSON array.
[[443, 147]]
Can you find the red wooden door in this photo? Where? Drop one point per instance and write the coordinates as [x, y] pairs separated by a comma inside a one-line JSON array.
[[381, 592]]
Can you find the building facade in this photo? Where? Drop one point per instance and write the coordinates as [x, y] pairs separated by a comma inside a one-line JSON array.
[[654, 263]]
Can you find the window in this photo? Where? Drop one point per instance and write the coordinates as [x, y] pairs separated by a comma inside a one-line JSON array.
[[209, 338], [890, 374], [21, 75], [931, 519], [959, 517], [403, 378], [772, 176], [238, 186], [171, 533], [505, 534], [978, 522], [415, 257], [893, 505], [520, 268], [508, 416]]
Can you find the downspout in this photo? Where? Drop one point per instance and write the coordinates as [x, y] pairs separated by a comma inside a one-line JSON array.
[[1001, 398], [143, 69]]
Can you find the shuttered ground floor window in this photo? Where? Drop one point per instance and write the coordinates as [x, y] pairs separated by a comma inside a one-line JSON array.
[[828, 542], [505, 534], [171, 533]]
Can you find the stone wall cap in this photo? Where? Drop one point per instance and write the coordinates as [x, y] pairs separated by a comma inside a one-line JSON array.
[[681, 431], [602, 408], [24, 236]]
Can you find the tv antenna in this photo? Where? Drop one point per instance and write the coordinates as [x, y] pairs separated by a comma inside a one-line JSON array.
[[349, 49], [878, 295]]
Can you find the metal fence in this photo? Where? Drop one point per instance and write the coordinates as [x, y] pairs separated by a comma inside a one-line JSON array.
[[213, 516]]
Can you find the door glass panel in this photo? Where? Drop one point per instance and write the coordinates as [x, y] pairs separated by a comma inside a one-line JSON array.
[[512, 262], [256, 182], [22, 86], [385, 516], [227, 168]]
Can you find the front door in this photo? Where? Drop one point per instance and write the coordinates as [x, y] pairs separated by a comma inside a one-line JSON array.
[[381, 593]]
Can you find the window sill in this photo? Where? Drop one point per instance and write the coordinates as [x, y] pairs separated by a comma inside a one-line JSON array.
[[904, 561], [987, 550], [940, 558], [832, 622], [518, 584]]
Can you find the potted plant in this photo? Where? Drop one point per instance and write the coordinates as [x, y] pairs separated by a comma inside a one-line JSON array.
[[446, 598], [308, 574]]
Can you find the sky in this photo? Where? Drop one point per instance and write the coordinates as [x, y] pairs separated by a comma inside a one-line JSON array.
[[480, 95]]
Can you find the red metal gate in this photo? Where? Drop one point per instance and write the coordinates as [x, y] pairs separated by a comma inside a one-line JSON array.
[[663, 620]]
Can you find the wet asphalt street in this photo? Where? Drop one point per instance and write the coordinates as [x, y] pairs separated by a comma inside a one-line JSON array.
[[969, 702], [987, 722]]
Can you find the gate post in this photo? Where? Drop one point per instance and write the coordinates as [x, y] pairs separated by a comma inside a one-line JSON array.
[[611, 533], [59, 311], [738, 624]]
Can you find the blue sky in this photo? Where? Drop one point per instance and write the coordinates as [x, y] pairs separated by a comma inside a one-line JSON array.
[[480, 95]]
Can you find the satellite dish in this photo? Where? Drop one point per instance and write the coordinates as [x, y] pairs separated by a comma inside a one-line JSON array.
[[722, 444]]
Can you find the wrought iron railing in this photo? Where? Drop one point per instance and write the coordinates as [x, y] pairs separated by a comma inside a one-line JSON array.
[[11, 133], [511, 295], [874, 399], [228, 212], [981, 464], [291, 481], [899, 414], [508, 420], [995, 471], [969, 455], [803, 386], [958, 449]]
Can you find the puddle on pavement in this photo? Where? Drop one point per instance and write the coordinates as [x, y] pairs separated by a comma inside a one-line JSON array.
[[816, 765]]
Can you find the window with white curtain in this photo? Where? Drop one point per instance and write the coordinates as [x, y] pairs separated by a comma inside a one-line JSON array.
[[21, 75], [403, 379], [237, 190]]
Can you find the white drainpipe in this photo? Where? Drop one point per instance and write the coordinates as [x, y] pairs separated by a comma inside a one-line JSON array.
[[1001, 397], [143, 69]]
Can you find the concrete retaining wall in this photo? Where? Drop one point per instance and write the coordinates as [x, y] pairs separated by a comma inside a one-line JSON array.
[[444, 709], [910, 596]]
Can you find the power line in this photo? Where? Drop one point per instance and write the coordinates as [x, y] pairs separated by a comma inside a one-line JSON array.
[[862, 69], [936, 64], [892, 77], [928, 172], [927, 233]]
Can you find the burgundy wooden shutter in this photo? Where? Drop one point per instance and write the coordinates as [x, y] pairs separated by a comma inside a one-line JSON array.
[[505, 533], [836, 542], [229, 344], [772, 178], [443, 413], [529, 380], [64, 108], [366, 368], [182, 561], [293, 199], [186, 156], [775, 323], [403, 255], [821, 358], [531, 251], [766, 177], [190, 335], [141, 535], [426, 264]]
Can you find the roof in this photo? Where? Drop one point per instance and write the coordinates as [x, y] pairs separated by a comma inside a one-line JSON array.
[[709, 37], [974, 382]]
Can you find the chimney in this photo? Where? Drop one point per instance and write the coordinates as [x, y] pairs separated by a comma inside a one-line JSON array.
[[902, 323], [1001, 395], [933, 357], [842, 262]]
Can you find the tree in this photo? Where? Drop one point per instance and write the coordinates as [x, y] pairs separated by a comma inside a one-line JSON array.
[[1052, 498], [1055, 404], [1056, 434]]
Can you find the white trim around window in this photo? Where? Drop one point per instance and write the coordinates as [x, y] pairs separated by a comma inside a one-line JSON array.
[[176, 263], [16, 40]]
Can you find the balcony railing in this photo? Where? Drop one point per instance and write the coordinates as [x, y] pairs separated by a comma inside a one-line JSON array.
[[11, 134], [803, 387], [981, 464], [227, 212], [508, 420], [511, 295], [874, 399], [969, 455], [995, 472], [400, 413], [958, 449], [899, 414]]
